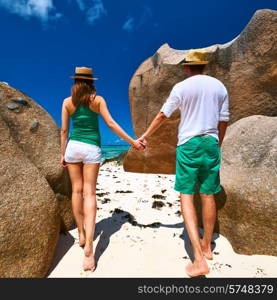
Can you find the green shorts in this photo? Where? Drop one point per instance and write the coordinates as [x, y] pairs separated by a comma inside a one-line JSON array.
[[198, 162]]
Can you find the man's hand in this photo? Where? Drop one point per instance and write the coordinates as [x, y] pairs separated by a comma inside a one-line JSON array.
[[142, 140], [222, 126], [138, 145]]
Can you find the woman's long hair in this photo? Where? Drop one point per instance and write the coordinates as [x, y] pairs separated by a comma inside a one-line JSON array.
[[81, 91]]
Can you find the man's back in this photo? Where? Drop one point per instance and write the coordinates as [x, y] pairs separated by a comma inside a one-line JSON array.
[[203, 102]]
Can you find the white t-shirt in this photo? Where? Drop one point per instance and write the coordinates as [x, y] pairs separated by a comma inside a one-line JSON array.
[[203, 102]]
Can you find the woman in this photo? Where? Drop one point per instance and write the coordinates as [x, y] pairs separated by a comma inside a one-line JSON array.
[[82, 153]]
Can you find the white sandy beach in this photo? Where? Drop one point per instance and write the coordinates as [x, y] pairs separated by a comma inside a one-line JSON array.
[[135, 247]]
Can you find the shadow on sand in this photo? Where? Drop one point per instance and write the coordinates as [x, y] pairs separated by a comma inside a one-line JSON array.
[[106, 228], [109, 226], [65, 242]]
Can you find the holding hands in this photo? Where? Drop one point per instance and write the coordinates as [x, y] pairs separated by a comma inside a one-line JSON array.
[[140, 143]]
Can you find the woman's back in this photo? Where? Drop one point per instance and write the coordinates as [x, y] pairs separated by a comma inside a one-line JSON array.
[[85, 126]]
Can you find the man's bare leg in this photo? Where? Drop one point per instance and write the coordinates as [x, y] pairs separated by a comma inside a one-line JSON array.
[[199, 266], [208, 217]]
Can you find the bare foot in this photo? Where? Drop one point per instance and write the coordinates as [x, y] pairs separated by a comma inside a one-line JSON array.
[[206, 249], [82, 239], [197, 268], [89, 262]]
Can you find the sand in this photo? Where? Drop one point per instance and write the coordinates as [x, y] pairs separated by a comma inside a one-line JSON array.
[[133, 239]]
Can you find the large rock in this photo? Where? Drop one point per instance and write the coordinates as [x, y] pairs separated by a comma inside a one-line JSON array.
[[248, 175], [29, 220], [247, 66], [35, 190], [247, 204]]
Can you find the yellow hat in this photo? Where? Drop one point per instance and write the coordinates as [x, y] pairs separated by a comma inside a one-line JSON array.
[[196, 57], [83, 73]]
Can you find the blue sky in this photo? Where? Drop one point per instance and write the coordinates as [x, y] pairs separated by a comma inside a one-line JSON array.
[[43, 40]]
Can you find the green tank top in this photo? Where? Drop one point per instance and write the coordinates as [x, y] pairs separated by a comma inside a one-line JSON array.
[[85, 126]]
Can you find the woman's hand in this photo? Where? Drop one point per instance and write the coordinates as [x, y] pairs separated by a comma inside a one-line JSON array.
[[63, 163], [138, 145], [142, 140]]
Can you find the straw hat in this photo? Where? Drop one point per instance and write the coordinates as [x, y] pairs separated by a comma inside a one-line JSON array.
[[196, 57], [83, 73]]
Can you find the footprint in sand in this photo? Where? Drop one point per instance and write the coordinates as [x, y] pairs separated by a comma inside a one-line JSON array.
[[106, 200], [220, 267], [86, 274], [102, 194], [158, 204], [156, 196], [260, 273]]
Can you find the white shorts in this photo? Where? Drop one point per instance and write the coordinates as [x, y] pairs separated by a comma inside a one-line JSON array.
[[82, 152]]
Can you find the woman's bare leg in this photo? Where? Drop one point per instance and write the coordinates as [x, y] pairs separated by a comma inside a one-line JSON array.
[[76, 177], [90, 173]]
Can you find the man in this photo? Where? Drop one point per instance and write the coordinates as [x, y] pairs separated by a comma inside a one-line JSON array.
[[204, 107]]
